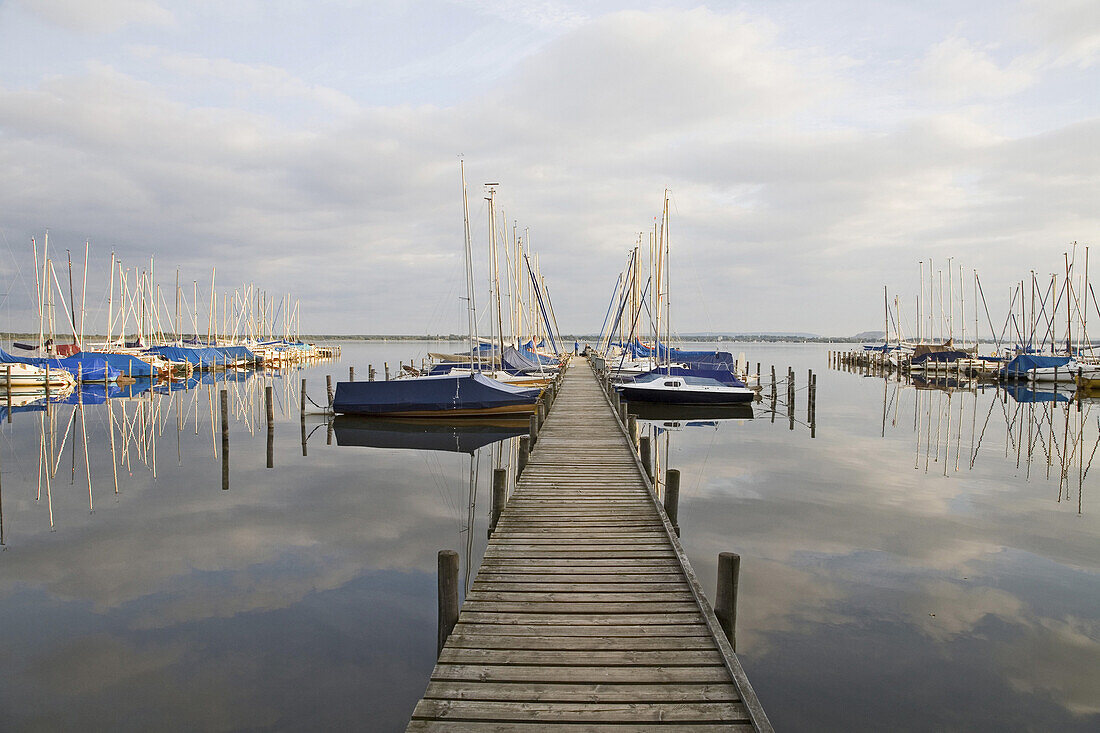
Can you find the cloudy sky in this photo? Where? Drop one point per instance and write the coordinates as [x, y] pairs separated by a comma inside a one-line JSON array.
[[814, 151]]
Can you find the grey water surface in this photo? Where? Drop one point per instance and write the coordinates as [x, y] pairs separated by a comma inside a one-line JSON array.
[[929, 561]]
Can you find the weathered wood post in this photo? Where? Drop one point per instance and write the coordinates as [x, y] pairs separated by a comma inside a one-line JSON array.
[[351, 374], [672, 498], [809, 395], [813, 407], [644, 454], [328, 389], [524, 454], [447, 567], [270, 405], [370, 372], [541, 407], [224, 396], [302, 411], [622, 413], [500, 496], [533, 430], [632, 429], [725, 600], [386, 365]]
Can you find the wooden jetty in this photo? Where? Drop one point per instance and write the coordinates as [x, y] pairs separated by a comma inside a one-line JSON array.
[[585, 613]]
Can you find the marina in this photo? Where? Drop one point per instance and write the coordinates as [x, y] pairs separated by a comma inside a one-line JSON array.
[[331, 554]]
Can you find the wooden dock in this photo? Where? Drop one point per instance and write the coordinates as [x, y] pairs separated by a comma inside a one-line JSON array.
[[585, 614]]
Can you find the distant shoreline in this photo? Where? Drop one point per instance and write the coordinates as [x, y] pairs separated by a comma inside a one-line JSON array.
[[589, 338]]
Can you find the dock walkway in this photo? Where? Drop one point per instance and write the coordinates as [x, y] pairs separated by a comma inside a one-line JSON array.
[[585, 614]]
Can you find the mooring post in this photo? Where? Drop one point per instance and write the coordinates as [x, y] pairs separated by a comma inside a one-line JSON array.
[[370, 372], [541, 407], [328, 389], [632, 429], [622, 413], [386, 365], [533, 430], [500, 496], [672, 498], [644, 454], [725, 600], [447, 565], [351, 374], [270, 405], [224, 396], [302, 411], [524, 454]]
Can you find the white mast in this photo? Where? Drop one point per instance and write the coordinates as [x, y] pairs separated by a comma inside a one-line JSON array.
[[471, 307]]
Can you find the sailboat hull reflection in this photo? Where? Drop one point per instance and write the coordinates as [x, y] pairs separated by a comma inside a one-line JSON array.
[[460, 436], [667, 411]]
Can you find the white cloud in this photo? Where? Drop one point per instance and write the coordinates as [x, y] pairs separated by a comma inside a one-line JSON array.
[[956, 70], [99, 16]]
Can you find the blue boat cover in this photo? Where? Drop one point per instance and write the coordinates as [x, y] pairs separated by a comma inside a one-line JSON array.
[[1024, 363], [429, 394], [723, 376], [200, 356], [91, 366]]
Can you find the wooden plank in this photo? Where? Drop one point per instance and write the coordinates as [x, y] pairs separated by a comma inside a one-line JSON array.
[[449, 726], [588, 712], [583, 657], [568, 692], [591, 643], [581, 675]]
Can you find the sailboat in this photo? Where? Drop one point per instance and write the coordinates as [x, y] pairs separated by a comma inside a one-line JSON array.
[[455, 394], [679, 385]]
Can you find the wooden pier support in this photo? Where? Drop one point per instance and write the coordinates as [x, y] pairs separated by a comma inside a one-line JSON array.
[[386, 366], [725, 600], [533, 430], [270, 405], [351, 374], [447, 568], [632, 429], [328, 389], [224, 396], [672, 498], [524, 454], [303, 400], [645, 454], [500, 496]]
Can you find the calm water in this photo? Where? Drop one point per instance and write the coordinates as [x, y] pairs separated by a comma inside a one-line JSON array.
[[930, 560]]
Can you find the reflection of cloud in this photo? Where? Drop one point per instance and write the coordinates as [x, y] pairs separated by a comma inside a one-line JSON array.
[[1058, 656], [942, 609], [101, 16]]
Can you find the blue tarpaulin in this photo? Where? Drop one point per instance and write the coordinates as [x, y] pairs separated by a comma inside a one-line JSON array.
[[440, 394], [1024, 363]]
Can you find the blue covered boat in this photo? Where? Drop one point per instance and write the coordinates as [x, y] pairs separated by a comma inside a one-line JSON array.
[[680, 386], [434, 396]]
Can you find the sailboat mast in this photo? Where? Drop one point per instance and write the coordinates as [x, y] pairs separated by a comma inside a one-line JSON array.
[[111, 306], [471, 308]]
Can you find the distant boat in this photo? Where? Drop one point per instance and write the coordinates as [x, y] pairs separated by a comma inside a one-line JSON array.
[[445, 395]]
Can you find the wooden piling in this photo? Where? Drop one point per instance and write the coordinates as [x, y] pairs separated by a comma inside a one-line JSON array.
[[447, 568], [533, 430], [672, 498], [524, 454], [351, 374], [303, 410], [500, 496], [645, 454], [328, 389], [725, 600], [386, 365], [224, 397], [269, 403], [622, 413]]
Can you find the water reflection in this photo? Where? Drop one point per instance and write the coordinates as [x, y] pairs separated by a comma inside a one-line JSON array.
[[1044, 433]]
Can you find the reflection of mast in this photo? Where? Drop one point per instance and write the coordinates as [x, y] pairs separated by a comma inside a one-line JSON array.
[[475, 461], [111, 433]]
